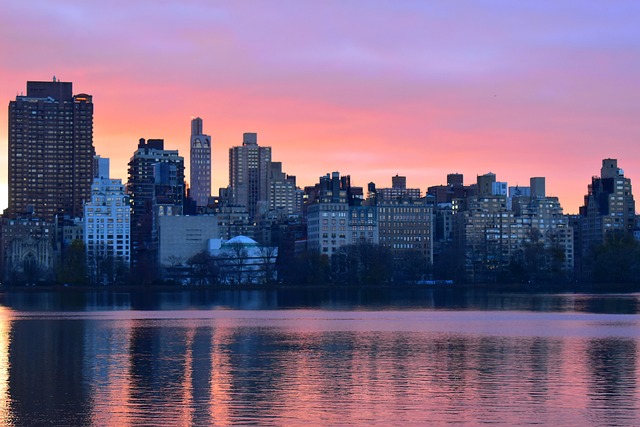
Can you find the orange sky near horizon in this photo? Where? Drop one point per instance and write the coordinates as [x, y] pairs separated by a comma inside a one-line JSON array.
[[371, 90]]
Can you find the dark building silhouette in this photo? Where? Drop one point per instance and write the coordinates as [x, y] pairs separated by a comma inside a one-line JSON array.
[[50, 151], [608, 211], [156, 187]]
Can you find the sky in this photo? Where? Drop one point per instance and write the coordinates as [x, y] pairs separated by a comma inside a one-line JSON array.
[[367, 88]]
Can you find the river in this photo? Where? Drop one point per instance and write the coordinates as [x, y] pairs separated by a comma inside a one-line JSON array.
[[318, 358]]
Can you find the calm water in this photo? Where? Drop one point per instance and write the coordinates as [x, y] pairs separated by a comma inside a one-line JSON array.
[[355, 358]]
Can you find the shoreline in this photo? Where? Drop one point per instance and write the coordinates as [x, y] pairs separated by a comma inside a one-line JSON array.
[[597, 289]]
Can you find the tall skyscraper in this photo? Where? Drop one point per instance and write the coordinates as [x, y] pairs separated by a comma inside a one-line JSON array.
[[156, 186], [249, 168], [200, 160], [50, 151]]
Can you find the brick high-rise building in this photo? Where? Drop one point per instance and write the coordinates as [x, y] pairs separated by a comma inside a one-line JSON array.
[[50, 151], [249, 169]]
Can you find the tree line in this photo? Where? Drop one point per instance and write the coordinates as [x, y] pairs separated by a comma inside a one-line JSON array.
[[614, 265]]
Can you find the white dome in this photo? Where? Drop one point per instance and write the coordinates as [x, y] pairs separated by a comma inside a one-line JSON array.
[[241, 240]]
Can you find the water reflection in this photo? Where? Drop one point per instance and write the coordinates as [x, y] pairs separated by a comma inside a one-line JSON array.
[[321, 298], [612, 365], [5, 339], [46, 373], [319, 368]]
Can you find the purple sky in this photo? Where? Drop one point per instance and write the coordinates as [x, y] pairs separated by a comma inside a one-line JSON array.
[[370, 89]]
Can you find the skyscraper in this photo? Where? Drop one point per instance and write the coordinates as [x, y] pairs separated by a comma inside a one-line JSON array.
[[608, 206], [50, 151], [608, 211], [156, 185], [200, 160], [249, 168]]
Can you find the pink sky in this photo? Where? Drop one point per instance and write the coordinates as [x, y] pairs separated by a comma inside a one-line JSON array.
[[369, 89]]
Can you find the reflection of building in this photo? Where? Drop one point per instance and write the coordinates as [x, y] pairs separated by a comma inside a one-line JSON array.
[[200, 164], [243, 261], [27, 247], [48, 375], [50, 151]]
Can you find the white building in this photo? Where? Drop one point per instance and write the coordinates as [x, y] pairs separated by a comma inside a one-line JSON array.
[[243, 261], [107, 221]]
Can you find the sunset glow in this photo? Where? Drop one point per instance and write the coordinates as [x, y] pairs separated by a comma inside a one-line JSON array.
[[370, 89]]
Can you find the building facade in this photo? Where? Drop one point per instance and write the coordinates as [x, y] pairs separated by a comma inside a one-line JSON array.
[[28, 250], [181, 237], [608, 211], [107, 223], [327, 227], [156, 185], [249, 169], [407, 225], [398, 190], [492, 233], [483, 236], [200, 164], [50, 151], [285, 199]]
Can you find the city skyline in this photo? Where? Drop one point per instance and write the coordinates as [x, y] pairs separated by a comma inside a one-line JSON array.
[[371, 90]]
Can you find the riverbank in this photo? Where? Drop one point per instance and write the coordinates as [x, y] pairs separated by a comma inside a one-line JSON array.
[[314, 298], [561, 288]]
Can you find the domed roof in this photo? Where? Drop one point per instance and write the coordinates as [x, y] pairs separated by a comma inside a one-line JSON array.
[[241, 240]]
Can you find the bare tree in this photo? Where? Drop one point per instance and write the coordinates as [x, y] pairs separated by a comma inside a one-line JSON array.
[[268, 255]]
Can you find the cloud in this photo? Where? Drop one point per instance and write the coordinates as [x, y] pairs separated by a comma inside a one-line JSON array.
[[513, 87]]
